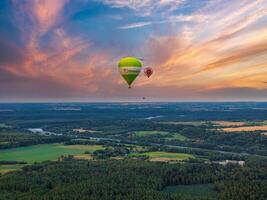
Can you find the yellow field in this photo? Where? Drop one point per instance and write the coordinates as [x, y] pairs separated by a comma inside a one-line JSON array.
[[246, 128], [83, 147], [228, 123], [83, 157], [162, 156]]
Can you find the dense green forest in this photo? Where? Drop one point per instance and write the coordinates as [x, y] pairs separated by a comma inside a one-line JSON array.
[[128, 179], [108, 151]]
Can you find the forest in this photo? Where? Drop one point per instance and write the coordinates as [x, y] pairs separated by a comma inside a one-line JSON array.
[[129, 179], [117, 151]]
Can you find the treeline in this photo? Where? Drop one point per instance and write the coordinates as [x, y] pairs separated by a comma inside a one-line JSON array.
[[203, 137], [3, 162], [14, 138], [131, 179]]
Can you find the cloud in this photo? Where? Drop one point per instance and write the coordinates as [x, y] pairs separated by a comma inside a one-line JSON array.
[[138, 4], [54, 69], [202, 59], [10, 53], [145, 7], [136, 25], [170, 19]]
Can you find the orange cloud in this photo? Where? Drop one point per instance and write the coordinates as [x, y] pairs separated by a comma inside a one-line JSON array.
[[220, 52]]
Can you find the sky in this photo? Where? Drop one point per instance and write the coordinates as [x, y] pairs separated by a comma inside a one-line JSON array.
[[200, 50]]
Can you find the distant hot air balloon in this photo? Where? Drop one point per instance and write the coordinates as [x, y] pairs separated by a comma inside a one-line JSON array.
[[148, 71], [129, 68]]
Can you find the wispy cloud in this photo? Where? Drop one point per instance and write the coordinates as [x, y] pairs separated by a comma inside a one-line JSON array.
[[212, 53], [170, 19], [145, 7]]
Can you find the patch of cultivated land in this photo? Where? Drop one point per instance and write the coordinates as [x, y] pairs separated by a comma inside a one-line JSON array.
[[198, 191], [9, 168], [42, 152], [162, 156], [228, 123], [148, 133], [178, 136], [189, 123], [83, 157], [169, 136], [81, 130], [246, 128], [2, 125]]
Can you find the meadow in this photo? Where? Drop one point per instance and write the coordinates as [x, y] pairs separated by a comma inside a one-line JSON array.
[[189, 123], [2, 125], [246, 128], [162, 156], [42, 152], [167, 135]]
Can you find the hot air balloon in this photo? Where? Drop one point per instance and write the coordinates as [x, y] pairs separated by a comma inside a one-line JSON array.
[[148, 71], [129, 68]]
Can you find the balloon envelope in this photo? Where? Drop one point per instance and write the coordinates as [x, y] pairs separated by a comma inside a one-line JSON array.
[[148, 71], [129, 68]]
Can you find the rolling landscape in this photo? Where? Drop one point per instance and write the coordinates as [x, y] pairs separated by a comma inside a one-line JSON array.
[[187, 153], [133, 100]]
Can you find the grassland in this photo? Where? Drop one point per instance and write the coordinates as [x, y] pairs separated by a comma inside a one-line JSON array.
[[83, 156], [42, 152], [189, 123], [81, 130], [246, 128], [193, 191], [167, 135], [228, 123], [162, 156], [2, 125], [9, 168], [148, 133]]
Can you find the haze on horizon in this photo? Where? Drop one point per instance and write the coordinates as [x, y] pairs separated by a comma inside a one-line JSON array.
[[64, 50]]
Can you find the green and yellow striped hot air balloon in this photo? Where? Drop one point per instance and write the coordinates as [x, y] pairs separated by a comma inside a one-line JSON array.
[[129, 68]]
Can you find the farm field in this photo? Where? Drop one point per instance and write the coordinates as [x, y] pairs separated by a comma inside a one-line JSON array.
[[178, 136], [228, 123], [193, 191], [190, 123], [81, 130], [148, 133], [168, 135], [2, 125], [9, 168], [42, 152], [162, 156], [246, 128]]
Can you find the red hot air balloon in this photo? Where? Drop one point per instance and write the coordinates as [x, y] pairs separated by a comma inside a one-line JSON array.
[[148, 71]]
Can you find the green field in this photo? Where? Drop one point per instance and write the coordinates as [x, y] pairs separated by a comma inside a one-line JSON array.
[[42, 152], [148, 133], [188, 123], [165, 156], [177, 136], [193, 191], [169, 136], [2, 125], [9, 168]]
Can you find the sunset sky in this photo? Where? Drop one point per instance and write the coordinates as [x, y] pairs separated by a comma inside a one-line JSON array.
[[65, 50]]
